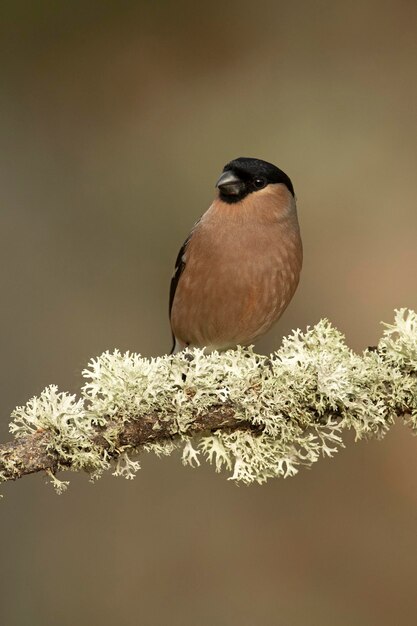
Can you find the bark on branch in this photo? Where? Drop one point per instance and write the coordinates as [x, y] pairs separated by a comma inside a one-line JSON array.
[[33, 453]]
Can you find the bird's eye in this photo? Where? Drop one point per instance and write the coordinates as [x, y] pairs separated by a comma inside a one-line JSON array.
[[259, 183]]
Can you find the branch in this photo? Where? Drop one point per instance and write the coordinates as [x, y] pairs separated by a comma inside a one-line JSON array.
[[34, 453], [258, 417]]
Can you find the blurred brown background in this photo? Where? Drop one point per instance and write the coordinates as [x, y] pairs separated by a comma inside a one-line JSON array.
[[116, 119]]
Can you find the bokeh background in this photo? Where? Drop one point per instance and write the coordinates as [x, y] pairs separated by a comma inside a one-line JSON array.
[[116, 119]]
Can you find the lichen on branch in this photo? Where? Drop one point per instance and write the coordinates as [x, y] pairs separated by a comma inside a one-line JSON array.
[[257, 417]]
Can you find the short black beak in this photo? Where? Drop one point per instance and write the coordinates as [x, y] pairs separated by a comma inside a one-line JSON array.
[[230, 184]]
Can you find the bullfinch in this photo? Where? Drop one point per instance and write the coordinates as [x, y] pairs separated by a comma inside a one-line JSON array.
[[240, 265]]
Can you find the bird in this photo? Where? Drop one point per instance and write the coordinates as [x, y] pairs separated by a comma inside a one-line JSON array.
[[240, 265]]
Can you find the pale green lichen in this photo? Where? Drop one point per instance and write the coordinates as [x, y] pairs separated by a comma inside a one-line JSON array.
[[125, 467], [399, 339], [59, 485], [399, 346], [299, 400], [190, 454], [70, 428]]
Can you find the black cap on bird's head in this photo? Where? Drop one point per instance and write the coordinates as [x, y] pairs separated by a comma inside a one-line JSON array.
[[245, 175]]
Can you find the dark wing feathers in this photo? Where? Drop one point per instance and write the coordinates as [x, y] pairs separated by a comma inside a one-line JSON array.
[[179, 268]]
